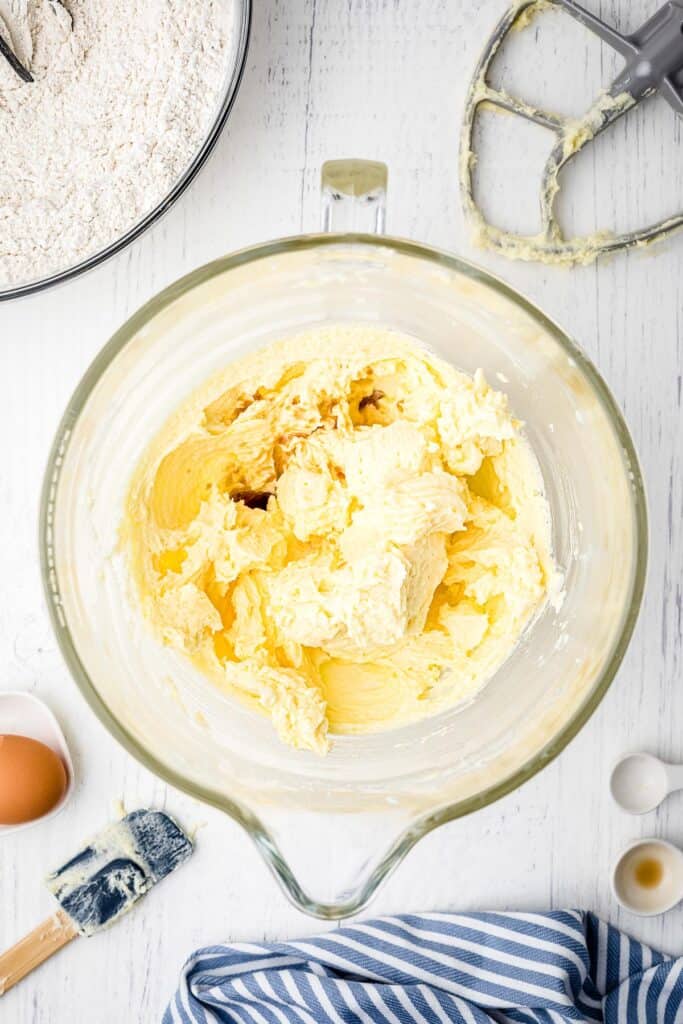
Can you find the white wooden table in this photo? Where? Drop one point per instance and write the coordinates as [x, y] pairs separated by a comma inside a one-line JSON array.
[[383, 79]]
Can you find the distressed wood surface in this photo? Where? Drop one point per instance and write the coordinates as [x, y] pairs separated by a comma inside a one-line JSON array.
[[383, 79]]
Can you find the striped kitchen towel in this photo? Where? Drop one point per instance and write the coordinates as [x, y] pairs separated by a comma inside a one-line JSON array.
[[435, 968]]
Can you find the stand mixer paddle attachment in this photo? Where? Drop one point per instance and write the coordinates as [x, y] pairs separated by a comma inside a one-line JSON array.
[[653, 58]]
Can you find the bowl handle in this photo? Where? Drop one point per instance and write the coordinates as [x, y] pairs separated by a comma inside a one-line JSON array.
[[353, 195]]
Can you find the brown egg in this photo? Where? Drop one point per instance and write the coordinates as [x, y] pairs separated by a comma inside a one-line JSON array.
[[32, 779]]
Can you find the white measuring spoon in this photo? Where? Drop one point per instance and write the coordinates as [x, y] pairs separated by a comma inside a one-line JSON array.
[[640, 782]]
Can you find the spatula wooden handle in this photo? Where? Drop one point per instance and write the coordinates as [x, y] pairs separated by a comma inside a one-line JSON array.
[[35, 948]]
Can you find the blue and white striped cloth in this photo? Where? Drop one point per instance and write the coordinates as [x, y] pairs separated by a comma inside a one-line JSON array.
[[436, 968]]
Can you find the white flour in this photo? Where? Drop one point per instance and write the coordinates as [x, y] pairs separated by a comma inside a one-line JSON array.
[[124, 94]]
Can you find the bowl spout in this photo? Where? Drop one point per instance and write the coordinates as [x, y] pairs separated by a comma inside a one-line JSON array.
[[330, 865]]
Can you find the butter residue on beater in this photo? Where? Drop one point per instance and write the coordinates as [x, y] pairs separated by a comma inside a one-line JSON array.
[[342, 530], [549, 245], [571, 134]]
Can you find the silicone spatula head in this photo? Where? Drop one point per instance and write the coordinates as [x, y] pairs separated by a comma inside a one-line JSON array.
[[117, 867]]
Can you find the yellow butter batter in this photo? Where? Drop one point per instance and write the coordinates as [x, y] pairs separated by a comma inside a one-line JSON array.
[[343, 530]]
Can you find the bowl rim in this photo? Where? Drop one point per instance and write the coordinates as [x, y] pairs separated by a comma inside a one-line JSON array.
[[422, 825], [165, 204]]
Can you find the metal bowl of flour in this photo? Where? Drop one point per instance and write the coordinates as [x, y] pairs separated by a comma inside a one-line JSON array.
[[236, 57]]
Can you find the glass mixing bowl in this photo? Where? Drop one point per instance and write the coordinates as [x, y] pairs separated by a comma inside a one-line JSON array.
[[332, 828], [238, 18]]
